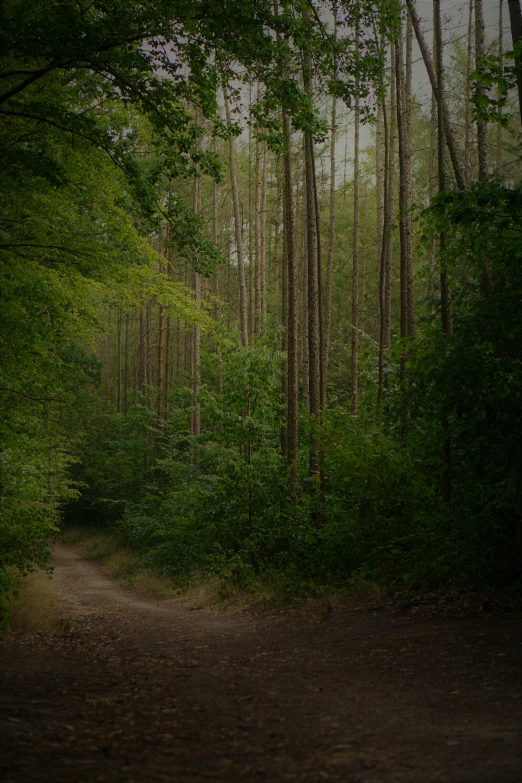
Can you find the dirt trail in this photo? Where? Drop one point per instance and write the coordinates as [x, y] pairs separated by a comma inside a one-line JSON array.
[[143, 690]]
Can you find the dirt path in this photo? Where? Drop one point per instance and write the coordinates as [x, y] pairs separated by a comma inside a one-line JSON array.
[[142, 690]]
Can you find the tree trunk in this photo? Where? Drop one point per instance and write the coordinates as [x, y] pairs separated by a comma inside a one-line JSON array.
[[142, 348], [119, 360], [258, 167], [312, 278], [403, 88], [445, 291], [515, 19], [161, 375], [284, 316], [355, 263], [291, 305], [148, 341], [319, 276], [379, 197], [126, 367], [498, 156], [385, 279], [482, 128], [196, 333], [107, 361], [251, 234], [467, 116], [262, 243], [447, 326], [432, 192], [330, 264], [243, 318], [168, 367], [448, 130], [305, 370]]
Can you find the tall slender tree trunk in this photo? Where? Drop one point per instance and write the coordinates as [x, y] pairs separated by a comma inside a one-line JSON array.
[[251, 235], [263, 228], [330, 264], [447, 320], [515, 20], [468, 165], [385, 279], [292, 382], [447, 326], [379, 198], [126, 367], [243, 317], [448, 130], [107, 362], [142, 350], [403, 87], [312, 277], [432, 192], [498, 150], [258, 167], [284, 324], [196, 332], [118, 360], [482, 128], [305, 370], [355, 261], [319, 276], [161, 366], [216, 279], [168, 366], [148, 342]]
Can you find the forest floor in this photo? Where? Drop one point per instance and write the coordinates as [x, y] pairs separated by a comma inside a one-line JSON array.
[[142, 690]]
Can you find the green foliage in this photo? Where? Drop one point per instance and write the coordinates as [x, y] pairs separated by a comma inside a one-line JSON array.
[[100, 146]]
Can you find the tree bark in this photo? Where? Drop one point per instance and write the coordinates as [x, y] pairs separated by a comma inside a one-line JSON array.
[[355, 263], [243, 317], [126, 367], [118, 359], [468, 166], [196, 331], [161, 364], [448, 130], [482, 128], [312, 279], [515, 19], [447, 319], [385, 278], [403, 87], [379, 198], [498, 156], [292, 317], [262, 246]]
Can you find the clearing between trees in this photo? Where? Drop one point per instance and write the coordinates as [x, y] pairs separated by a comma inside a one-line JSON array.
[[141, 690]]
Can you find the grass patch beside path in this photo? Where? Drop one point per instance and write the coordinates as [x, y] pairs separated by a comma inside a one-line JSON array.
[[204, 591], [122, 562], [35, 606]]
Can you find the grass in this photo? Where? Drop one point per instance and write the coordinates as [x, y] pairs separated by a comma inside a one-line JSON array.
[[36, 607], [205, 591]]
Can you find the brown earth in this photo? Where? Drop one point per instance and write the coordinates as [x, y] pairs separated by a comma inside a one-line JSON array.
[[143, 690]]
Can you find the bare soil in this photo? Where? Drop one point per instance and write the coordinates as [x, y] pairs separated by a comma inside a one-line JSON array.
[[142, 690]]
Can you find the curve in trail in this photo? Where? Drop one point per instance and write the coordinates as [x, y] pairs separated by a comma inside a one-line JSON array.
[[86, 589], [144, 690]]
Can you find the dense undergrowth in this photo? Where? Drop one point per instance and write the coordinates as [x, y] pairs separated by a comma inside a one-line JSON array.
[[104, 149], [219, 503]]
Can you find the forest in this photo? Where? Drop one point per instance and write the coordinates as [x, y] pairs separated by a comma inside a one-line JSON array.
[[261, 289]]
